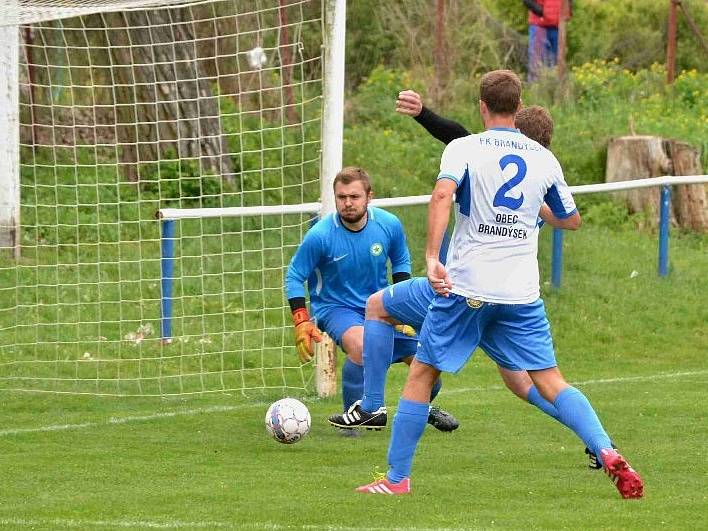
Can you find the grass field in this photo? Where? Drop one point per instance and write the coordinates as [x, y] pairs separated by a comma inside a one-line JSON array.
[[635, 346]]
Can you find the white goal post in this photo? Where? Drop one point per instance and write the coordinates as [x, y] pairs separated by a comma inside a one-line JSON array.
[[114, 109]]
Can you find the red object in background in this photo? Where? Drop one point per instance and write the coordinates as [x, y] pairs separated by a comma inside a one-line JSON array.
[[551, 14]]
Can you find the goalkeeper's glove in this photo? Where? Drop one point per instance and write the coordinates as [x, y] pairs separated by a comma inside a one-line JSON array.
[[305, 332], [405, 329]]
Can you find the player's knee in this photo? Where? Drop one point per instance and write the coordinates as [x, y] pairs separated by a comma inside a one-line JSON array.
[[375, 308], [520, 389], [518, 382], [355, 357], [353, 344], [549, 382], [423, 372]]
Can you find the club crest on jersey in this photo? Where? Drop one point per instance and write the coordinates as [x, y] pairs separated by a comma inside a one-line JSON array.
[[474, 303], [376, 249]]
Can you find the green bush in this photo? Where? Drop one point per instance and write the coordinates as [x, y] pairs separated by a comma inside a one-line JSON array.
[[486, 34], [634, 31]]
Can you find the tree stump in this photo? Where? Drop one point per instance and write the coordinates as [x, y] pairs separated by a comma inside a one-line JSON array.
[[641, 157], [689, 201], [638, 157]]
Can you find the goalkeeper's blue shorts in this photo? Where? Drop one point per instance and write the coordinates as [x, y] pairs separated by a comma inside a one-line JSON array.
[[408, 301], [516, 336], [336, 320]]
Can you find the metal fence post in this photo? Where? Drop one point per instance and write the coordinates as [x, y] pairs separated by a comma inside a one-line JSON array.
[[665, 208], [167, 263]]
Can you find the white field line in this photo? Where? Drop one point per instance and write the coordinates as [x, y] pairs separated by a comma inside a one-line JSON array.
[[113, 421], [179, 524], [125, 420], [64, 523], [623, 379]]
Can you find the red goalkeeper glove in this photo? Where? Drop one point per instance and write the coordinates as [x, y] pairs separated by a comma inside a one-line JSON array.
[[305, 333]]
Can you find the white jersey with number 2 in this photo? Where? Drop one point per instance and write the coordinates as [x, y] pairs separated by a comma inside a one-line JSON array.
[[502, 179]]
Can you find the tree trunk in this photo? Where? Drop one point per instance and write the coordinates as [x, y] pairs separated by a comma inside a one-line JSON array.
[[689, 201], [441, 63], [163, 93], [286, 59], [640, 157]]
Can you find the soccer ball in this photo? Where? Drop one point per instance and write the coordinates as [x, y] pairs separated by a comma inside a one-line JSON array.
[[287, 420], [256, 58]]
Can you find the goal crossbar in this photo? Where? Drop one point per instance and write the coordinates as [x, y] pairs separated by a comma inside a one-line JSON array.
[[21, 12]]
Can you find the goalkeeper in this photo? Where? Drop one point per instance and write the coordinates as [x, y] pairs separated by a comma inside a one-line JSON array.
[[408, 301], [344, 260]]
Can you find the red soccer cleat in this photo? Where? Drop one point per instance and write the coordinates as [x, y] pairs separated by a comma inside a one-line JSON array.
[[384, 486], [625, 478]]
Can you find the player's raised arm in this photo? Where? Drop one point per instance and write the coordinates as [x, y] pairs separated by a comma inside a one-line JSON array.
[[410, 103], [301, 266]]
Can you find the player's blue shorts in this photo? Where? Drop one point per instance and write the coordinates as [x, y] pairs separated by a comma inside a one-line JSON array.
[[336, 320], [408, 301], [515, 336]]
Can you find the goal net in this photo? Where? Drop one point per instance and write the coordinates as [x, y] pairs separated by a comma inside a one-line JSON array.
[[115, 109]]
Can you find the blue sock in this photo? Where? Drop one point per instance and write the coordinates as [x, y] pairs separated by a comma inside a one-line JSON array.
[[535, 398], [436, 389], [575, 411], [352, 383], [408, 426], [378, 351]]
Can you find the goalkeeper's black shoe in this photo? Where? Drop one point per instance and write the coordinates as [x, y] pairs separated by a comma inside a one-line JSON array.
[[442, 420], [355, 417], [593, 461]]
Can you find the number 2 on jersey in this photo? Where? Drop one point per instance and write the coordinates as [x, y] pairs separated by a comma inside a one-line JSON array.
[[500, 198]]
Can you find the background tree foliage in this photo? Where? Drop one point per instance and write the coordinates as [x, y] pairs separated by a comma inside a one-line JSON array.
[[616, 83], [485, 34]]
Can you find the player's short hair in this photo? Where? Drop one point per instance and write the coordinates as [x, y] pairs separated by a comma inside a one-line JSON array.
[[350, 174], [500, 90], [536, 123]]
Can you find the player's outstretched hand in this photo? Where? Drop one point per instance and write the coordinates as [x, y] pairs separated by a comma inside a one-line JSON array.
[[438, 278], [405, 329], [409, 103], [305, 333]]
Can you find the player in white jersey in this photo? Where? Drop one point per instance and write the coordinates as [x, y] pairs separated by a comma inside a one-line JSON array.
[[488, 294], [409, 300]]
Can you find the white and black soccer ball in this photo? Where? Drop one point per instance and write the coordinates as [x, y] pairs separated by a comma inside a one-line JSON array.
[[287, 420]]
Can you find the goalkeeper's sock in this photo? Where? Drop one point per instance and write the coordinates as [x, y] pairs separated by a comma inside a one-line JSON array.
[[408, 426], [436, 389], [575, 411], [352, 383], [535, 398], [378, 351]]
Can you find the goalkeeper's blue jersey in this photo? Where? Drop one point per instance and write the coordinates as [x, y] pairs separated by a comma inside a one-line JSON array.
[[342, 267]]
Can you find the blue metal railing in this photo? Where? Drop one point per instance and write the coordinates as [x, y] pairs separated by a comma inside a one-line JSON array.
[[664, 230], [663, 267], [167, 264], [170, 215]]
